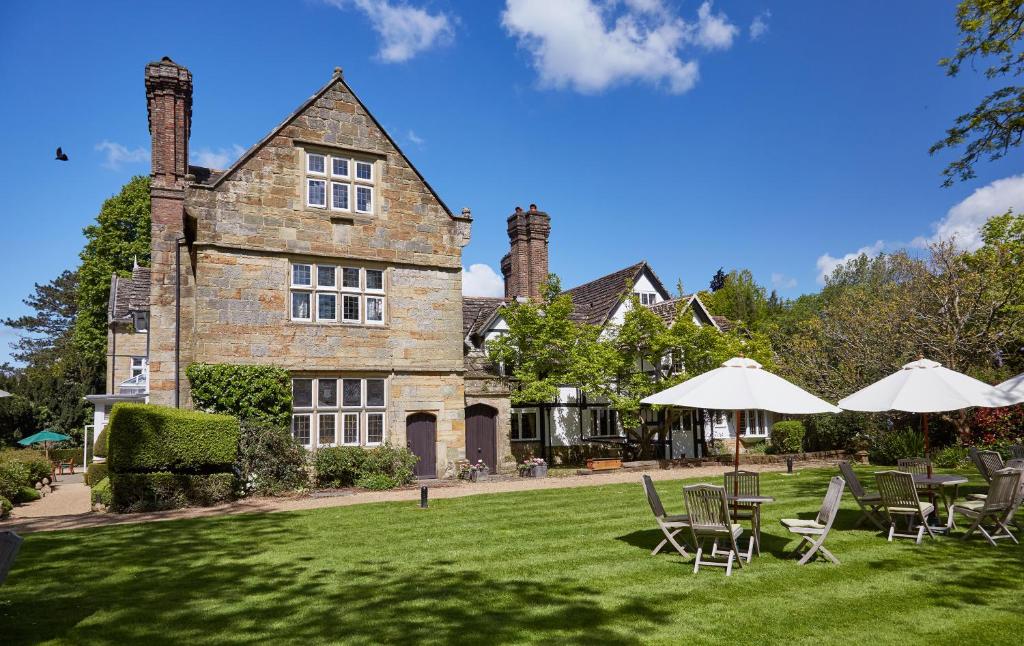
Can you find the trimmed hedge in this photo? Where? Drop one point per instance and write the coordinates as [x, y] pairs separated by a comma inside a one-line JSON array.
[[100, 494], [96, 473], [787, 437], [147, 438], [135, 492], [67, 454], [258, 393], [99, 447]]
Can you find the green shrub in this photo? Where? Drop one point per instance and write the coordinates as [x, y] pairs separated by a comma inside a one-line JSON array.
[[13, 476], [5, 507], [787, 437], [258, 393], [339, 466], [952, 457], [67, 454], [270, 461], [100, 493], [830, 432], [891, 446], [35, 461], [135, 492], [96, 473], [26, 494], [396, 463], [99, 447], [146, 438], [377, 482]]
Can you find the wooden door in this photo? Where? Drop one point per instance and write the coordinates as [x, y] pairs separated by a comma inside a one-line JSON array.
[[481, 435], [421, 438]]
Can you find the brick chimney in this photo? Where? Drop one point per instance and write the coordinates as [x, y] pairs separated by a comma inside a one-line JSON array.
[[525, 267], [169, 102]]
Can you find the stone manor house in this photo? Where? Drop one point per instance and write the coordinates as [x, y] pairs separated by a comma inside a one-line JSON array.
[[324, 251]]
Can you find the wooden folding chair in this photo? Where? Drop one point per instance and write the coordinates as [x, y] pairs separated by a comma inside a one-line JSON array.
[[709, 518], [744, 483], [814, 532], [669, 525], [1017, 451], [899, 499], [10, 543], [987, 463], [996, 509], [870, 503]]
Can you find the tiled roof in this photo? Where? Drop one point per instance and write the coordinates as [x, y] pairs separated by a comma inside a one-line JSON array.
[[205, 176], [595, 301], [667, 310], [128, 295], [724, 323], [475, 312]]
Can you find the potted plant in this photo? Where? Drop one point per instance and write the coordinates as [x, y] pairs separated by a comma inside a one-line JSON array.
[[533, 468]]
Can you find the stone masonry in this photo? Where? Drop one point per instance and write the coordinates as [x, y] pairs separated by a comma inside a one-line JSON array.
[[525, 267]]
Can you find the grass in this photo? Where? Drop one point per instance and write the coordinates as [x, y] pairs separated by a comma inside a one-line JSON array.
[[552, 566]]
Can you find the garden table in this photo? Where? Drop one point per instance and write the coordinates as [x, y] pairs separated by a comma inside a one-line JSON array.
[[755, 522], [942, 482]]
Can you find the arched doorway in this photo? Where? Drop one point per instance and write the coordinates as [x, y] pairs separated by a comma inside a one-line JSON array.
[[481, 435], [421, 438]]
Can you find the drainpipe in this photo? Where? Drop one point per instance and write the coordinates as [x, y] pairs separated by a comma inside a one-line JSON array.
[[177, 322]]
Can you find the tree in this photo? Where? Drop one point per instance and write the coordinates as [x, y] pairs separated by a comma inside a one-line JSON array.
[[119, 238], [718, 280], [46, 333], [990, 29], [739, 299]]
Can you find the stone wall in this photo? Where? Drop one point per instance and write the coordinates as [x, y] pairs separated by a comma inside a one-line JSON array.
[[123, 343], [441, 395]]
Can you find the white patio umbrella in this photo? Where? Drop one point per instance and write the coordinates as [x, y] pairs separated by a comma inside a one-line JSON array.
[[924, 386], [1014, 388], [741, 384]]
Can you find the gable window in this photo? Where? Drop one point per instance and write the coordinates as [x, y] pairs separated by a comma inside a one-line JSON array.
[[524, 425], [317, 296], [648, 298], [340, 182], [319, 418]]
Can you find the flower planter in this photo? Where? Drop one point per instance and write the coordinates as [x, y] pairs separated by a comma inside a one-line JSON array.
[[604, 464], [539, 471]]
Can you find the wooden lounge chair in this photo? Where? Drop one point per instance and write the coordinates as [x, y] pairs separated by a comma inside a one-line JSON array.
[[814, 532], [669, 525], [870, 503], [709, 518], [10, 543], [744, 483], [996, 509], [899, 499]]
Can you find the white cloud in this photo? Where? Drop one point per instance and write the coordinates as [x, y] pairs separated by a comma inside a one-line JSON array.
[[759, 27], [404, 30], [591, 45], [480, 280], [965, 219], [827, 263], [782, 281], [416, 139], [219, 159], [118, 154]]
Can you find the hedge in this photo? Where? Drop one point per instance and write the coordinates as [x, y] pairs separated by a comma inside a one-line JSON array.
[[787, 437], [35, 461], [96, 473], [134, 492], [146, 438], [258, 393], [382, 467], [101, 493], [67, 454], [99, 447]]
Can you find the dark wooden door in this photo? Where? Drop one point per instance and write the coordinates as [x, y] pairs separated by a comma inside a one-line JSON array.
[[481, 435], [421, 438]]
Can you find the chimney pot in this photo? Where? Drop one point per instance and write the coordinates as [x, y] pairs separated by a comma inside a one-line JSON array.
[[533, 208], [466, 213], [519, 209], [337, 72]]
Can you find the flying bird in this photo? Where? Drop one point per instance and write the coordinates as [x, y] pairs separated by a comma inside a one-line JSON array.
[[61, 156]]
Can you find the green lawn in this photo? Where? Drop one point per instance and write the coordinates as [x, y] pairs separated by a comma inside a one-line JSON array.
[[554, 566]]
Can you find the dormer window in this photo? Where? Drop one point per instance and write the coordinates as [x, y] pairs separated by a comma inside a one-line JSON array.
[[339, 183], [647, 298], [141, 320]]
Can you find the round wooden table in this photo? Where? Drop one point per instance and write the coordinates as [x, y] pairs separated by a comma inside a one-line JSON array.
[[942, 482]]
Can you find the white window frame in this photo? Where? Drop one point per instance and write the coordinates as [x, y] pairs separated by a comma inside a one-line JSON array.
[[291, 278], [362, 295], [333, 287], [334, 319], [309, 193], [140, 368], [355, 166], [309, 158], [362, 393], [383, 425], [519, 413], [291, 304], [319, 416], [350, 180], [366, 401], [359, 305], [348, 197], [366, 310], [309, 416], [355, 201], [366, 281], [346, 415], [348, 164], [760, 428]]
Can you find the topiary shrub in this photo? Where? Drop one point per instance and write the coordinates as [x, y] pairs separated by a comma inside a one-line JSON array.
[[270, 461], [99, 447], [96, 473], [339, 466], [26, 494], [259, 393], [135, 492], [787, 437], [100, 493], [146, 438], [5, 507], [891, 446]]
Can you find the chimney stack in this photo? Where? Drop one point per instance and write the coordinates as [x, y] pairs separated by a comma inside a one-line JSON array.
[[169, 101], [525, 267]]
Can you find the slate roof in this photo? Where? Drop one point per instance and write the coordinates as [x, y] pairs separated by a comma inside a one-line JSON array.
[[476, 310], [128, 295], [205, 176], [595, 301]]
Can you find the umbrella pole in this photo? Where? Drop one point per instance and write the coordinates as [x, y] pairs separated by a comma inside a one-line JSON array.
[[736, 468], [736, 458], [927, 444]]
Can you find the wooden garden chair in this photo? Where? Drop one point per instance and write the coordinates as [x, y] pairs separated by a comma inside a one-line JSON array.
[[997, 509], [743, 483], [814, 532], [669, 525], [870, 502], [987, 463], [899, 499], [1017, 451], [709, 518], [10, 543], [918, 466]]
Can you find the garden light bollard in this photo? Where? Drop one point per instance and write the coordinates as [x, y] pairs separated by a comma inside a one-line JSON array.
[[789, 465], [423, 497]]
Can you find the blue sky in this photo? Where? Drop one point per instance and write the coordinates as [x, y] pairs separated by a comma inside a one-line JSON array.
[[778, 136]]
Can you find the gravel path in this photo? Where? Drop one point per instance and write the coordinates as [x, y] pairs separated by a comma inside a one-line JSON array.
[[68, 506]]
